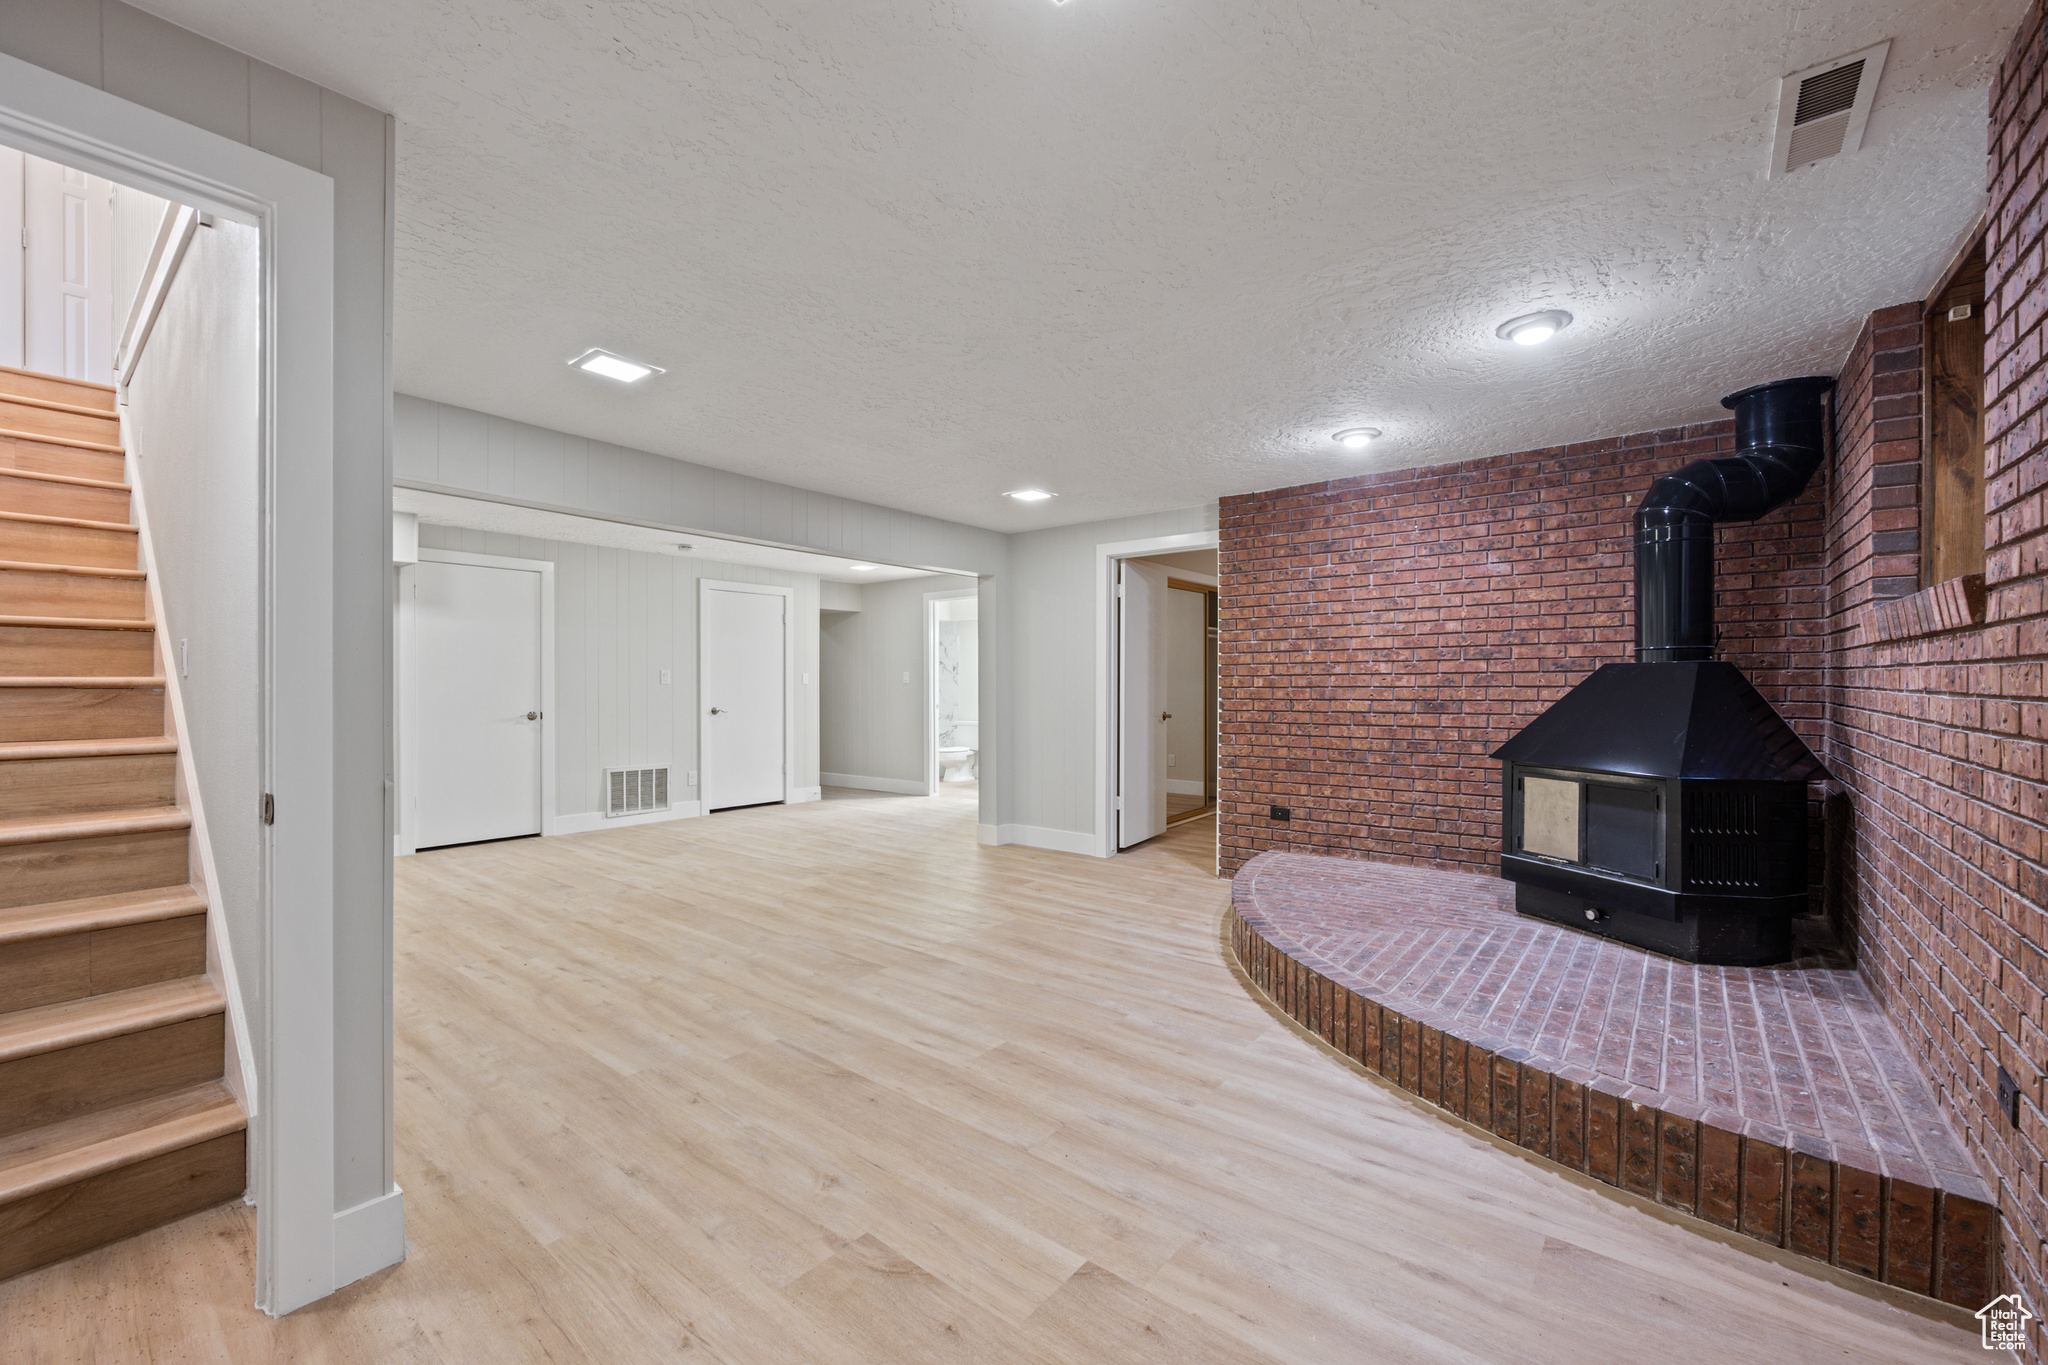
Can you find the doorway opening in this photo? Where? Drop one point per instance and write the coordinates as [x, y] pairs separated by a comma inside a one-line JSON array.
[[953, 646], [1156, 714]]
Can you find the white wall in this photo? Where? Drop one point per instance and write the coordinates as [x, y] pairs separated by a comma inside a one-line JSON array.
[[1187, 689], [192, 439], [150, 62], [621, 617], [873, 722], [1055, 672]]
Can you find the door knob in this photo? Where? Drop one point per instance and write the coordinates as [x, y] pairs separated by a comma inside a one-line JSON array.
[[716, 711], [1166, 715], [533, 715]]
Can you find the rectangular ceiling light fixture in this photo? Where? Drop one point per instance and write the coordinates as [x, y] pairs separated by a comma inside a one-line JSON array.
[[1823, 109], [614, 366]]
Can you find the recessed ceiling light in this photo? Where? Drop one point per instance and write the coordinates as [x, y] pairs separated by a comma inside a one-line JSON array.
[[614, 366], [861, 568], [1029, 494], [1356, 438], [1533, 329]]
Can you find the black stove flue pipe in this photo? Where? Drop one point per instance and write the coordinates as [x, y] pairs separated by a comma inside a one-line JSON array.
[[1779, 431]]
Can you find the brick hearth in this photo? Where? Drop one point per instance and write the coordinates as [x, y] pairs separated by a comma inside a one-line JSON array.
[[1776, 1102]]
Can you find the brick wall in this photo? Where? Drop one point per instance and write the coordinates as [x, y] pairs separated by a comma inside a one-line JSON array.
[[1382, 634], [1938, 736]]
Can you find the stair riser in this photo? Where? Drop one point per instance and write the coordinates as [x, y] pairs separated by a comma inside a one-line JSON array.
[[56, 1224], [34, 421], [35, 542], [48, 459], [62, 500], [35, 714], [74, 786], [58, 652], [51, 388], [48, 971], [70, 594], [66, 869], [52, 1086]]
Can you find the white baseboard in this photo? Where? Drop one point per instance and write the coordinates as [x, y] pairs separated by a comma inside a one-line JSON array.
[[369, 1237], [590, 820], [1036, 836], [900, 786], [1180, 786], [802, 794]]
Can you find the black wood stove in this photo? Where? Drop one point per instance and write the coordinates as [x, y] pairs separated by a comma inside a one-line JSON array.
[[1663, 802]]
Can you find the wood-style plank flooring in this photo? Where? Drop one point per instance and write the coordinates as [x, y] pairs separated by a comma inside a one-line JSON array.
[[835, 1084]]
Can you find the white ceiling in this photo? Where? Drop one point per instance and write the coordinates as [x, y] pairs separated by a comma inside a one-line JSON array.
[[1139, 252], [538, 523]]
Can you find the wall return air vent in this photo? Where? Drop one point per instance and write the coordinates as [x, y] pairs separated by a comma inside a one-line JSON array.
[[1823, 109], [634, 791]]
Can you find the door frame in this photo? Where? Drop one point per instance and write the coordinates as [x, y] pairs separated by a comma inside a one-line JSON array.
[[407, 836], [292, 1128], [1107, 557], [705, 587], [931, 681]]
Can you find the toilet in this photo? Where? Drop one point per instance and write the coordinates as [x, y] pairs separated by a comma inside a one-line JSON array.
[[957, 754]]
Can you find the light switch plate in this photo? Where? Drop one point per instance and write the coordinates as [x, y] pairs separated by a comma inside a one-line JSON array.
[[664, 677]]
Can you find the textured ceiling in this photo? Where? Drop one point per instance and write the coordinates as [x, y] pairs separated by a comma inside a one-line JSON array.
[[1139, 252]]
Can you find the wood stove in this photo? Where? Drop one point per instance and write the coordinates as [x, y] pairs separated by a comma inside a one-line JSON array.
[[1664, 802]]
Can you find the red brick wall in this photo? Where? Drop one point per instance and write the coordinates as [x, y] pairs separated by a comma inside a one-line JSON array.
[[1382, 634], [1939, 739]]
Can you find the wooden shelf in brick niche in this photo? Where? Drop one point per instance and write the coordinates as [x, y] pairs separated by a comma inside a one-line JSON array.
[[1772, 1101]]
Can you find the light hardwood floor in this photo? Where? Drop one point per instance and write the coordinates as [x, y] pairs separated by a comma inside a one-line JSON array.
[[834, 1084]]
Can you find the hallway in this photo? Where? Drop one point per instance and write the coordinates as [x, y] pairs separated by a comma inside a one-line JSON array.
[[832, 1083]]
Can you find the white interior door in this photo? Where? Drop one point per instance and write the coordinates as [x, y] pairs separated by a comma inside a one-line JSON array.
[[67, 271], [744, 666], [1142, 717], [476, 638]]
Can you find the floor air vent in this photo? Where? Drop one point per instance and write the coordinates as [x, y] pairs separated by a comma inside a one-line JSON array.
[[635, 791], [1822, 110]]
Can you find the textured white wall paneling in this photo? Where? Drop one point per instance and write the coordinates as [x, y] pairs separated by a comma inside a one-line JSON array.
[[622, 618]]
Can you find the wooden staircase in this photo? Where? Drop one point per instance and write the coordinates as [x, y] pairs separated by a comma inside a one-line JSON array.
[[113, 1114]]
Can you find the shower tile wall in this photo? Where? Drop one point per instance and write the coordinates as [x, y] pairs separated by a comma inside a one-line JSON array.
[[959, 685]]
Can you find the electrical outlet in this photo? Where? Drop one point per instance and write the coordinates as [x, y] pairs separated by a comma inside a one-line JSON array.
[[664, 677], [693, 778], [2008, 1097], [1169, 760], [1280, 812], [807, 680], [906, 677]]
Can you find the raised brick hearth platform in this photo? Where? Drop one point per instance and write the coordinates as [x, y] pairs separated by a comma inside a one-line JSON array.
[[1776, 1102]]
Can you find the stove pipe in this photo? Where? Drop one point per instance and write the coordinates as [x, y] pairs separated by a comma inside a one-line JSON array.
[[1779, 431]]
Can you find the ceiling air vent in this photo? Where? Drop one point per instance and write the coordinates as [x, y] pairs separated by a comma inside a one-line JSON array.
[[1822, 110], [634, 791]]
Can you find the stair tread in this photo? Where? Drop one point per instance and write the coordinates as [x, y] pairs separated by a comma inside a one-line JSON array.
[[74, 480], [36, 829], [60, 1153], [51, 918], [50, 1028], [84, 523], [85, 681], [74, 570], [78, 622], [15, 434], [85, 748]]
